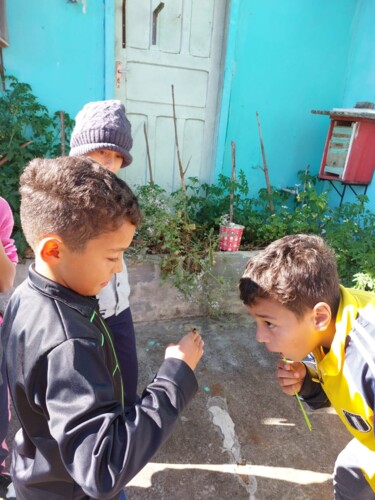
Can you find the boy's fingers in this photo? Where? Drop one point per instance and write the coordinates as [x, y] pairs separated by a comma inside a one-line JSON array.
[[196, 336], [285, 375], [291, 369], [284, 366], [281, 373], [287, 382], [290, 391]]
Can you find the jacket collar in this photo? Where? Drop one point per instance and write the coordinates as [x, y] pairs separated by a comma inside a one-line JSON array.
[[84, 305]]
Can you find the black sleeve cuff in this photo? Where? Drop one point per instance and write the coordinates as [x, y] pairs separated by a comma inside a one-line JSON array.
[[312, 391], [180, 373]]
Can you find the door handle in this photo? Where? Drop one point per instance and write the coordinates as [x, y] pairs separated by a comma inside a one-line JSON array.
[[119, 71], [155, 16]]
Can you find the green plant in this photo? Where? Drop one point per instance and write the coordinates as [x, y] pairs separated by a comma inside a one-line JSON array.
[[186, 248], [364, 281], [208, 203], [26, 131], [351, 232], [349, 229], [307, 213]]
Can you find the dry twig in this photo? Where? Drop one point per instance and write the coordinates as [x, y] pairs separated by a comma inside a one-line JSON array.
[[233, 144], [180, 166], [265, 167], [4, 159], [148, 154], [62, 122]]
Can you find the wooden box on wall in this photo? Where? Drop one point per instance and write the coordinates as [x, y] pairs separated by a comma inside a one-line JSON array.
[[349, 153]]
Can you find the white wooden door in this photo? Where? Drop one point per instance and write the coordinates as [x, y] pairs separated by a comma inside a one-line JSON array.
[[160, 44]]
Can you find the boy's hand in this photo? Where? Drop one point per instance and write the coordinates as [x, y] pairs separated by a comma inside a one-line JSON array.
[[189, 349], [290, 376]]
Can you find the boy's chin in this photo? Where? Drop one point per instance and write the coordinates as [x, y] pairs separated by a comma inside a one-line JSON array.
[[291, 357]]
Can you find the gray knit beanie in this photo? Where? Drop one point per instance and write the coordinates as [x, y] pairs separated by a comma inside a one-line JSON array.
[[102, 125]]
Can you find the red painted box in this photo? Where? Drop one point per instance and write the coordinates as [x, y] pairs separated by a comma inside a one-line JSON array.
[[349, 153]]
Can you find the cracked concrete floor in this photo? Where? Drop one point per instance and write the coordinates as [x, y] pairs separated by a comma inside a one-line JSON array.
[[240, 437]]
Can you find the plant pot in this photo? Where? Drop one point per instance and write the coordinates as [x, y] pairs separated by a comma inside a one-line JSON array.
[[230, 237]]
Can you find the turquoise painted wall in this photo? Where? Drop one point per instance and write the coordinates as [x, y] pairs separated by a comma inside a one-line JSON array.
[[284, 59], [64, 54], [360, 71]]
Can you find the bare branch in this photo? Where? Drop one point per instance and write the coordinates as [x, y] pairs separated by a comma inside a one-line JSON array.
[[233, 178], [180, 167], [62, 116], [187, 166], [4, 159], [148, 154], [265, 167]]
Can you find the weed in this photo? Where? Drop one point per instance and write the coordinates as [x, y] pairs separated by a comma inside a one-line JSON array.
[[27, 131]]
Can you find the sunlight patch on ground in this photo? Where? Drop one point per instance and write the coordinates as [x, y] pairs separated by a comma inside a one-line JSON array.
[[277, 421], [144, 478]]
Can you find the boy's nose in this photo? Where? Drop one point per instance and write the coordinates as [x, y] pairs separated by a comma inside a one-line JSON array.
[[109, 163], [261, 335], [118, 267]]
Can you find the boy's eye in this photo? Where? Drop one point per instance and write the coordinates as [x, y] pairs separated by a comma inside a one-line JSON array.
[[113, 259], [269, 325]]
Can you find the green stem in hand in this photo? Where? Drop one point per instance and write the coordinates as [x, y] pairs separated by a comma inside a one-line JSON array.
[[308, 423]]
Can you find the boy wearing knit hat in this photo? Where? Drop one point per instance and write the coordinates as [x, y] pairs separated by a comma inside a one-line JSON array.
[[102, 131]]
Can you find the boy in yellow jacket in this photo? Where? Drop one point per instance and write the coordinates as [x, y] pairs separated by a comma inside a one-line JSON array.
[[292, 291]]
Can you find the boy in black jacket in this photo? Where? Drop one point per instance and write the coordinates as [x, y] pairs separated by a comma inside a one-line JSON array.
[[75, 439]]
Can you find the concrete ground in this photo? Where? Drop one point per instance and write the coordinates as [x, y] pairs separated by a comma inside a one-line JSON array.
[[240, 438]]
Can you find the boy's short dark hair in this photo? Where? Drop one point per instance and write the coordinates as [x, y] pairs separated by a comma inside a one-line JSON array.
[[298, 271], [75, 198]]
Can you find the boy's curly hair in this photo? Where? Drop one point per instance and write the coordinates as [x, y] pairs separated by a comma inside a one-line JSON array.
[[75, 198], [298, 271]]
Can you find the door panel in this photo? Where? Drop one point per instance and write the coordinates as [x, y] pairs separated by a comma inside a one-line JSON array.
[[179, 43], [137, 24], [139, 151], [192, 146], [168, 27], [151, 83], [201, 28], [164, 153]]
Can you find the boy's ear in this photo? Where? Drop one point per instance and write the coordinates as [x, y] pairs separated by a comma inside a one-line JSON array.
[[49, 249], [322, 316]]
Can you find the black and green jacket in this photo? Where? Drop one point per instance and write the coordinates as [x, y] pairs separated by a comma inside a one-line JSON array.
[[75, 441]]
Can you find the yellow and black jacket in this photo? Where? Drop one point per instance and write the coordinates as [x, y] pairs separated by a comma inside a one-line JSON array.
[[345, 375]]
